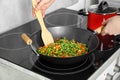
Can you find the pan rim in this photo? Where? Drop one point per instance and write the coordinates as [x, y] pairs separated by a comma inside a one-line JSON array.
[[92, 33]]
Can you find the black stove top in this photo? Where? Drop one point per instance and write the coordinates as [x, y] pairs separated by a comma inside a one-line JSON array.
[[13, 49]]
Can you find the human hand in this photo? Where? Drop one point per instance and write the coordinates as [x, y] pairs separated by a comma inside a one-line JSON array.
[[42, 5], [111, 26]]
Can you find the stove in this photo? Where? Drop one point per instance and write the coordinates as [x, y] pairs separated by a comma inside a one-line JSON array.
[[13, 49], [110, 70]]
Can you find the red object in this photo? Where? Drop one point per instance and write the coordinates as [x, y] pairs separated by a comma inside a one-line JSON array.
[[95, 20], [96, 17]]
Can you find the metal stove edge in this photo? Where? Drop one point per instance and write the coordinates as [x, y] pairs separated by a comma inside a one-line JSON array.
[[106, 68]]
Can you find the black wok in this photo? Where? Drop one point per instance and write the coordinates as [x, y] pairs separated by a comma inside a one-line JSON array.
[[79, 35]]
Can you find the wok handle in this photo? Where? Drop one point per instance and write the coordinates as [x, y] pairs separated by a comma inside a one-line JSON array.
[[27, 40]]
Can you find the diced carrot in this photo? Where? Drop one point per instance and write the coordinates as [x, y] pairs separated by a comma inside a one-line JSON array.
[[57, 46]]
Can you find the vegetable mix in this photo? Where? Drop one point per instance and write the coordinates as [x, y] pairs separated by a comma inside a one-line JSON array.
[[64, 48]]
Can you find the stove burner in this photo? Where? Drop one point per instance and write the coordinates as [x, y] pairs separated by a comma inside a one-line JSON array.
[[40, 66], [64, 19], [12, 41]]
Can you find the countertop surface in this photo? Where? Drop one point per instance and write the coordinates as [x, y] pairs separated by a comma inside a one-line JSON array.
[[10, 71]]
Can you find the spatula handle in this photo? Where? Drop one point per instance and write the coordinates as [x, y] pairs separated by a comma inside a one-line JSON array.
[[99, 30], [39, 15], [27, 40]]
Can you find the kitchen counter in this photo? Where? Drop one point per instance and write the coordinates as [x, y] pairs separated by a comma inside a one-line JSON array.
[[10, 71], [107, 68]]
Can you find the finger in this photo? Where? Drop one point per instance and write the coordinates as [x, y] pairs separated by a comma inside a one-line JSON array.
[[44, 4], [43, 13], [104, 31], [38, 1], [33, 12], [49, 3], [44, 7], [41, 3]]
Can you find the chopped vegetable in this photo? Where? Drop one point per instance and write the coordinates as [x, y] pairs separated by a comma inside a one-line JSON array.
[[63, 48]]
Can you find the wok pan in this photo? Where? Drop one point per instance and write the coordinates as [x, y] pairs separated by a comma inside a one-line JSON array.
[[79, 35]]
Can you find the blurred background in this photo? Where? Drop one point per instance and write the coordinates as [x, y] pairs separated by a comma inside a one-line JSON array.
[[17, 12]]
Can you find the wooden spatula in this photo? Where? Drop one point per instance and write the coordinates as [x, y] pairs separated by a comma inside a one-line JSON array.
[[46, 35], [99, 30]]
